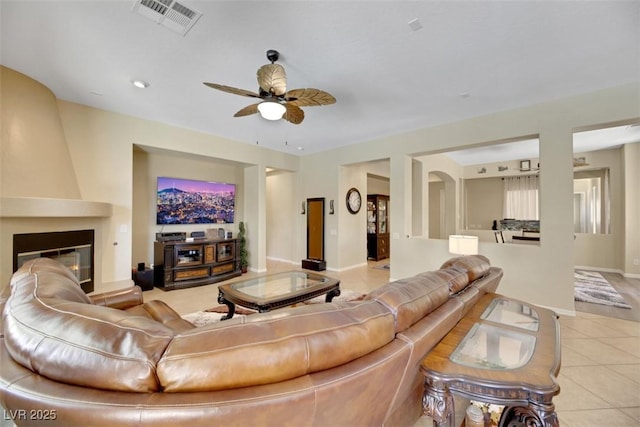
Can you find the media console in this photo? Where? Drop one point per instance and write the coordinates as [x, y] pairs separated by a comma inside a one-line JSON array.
[[182, 264]]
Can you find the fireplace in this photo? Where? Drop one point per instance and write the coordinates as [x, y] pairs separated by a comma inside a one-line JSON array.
[[73, 249]]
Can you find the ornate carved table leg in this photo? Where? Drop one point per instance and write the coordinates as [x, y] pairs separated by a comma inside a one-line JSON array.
[[532, 416], [229, 304], [439, 405], [331, 294]]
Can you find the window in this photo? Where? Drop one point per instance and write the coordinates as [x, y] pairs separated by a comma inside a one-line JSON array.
[[521, 197]]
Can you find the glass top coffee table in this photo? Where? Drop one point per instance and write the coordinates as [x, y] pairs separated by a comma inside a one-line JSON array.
[[274, 291], [504, 352]]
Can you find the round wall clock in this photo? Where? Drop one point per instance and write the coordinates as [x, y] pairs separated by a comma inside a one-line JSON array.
[[354, 200]]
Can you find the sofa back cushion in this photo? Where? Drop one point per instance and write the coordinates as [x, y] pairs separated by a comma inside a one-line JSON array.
[[411, 299], [275, 346], [50, 329], [60, 281], [475, 266], [456, 280]]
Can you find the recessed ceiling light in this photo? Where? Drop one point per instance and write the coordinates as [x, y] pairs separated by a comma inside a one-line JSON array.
[[300, 148], [415, 24], [140, 84], [464, 95]]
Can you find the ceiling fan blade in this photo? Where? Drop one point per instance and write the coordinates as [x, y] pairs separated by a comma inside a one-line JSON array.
[[233, 90], [294, 114], [247, 111], [272, 79], [309, 97]]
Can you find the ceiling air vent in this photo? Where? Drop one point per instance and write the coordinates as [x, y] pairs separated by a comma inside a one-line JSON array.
[[168, 13]]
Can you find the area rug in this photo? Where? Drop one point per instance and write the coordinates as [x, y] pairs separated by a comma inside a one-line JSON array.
[[592, 287], [214, 314]]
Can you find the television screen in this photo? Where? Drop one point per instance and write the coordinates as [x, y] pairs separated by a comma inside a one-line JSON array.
[[186, 201]]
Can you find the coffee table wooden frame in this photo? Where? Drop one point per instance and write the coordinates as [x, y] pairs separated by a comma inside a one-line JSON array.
[[230, 296], [527, 392]]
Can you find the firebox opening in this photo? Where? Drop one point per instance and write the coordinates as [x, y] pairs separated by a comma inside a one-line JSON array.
[[73, 249]]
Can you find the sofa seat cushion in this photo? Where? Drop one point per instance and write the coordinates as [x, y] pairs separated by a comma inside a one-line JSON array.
[[411, 299], [76, 342], [160, 312], [275, 346]]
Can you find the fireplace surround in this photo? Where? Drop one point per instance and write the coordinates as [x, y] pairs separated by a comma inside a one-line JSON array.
[[75, 249]]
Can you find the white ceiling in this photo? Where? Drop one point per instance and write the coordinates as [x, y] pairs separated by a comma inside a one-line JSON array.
[[470, 58]]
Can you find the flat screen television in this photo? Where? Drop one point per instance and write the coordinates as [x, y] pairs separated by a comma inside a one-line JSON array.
[[187, 201]]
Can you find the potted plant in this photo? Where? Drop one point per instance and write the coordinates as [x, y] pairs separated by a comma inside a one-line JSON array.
[[242, 246]]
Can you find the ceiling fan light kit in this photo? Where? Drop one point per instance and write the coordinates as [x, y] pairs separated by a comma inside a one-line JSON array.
[[277, 103], [271, 110]]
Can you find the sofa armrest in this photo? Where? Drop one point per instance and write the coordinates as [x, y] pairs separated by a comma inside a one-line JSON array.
[[120, 298]]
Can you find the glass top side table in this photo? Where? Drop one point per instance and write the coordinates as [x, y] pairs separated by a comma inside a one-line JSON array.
[[504, 352]]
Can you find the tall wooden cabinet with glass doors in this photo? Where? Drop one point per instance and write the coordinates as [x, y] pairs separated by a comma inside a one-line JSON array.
[[377, 226]]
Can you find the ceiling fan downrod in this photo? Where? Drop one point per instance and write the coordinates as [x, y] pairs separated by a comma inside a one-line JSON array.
[[273, 55]]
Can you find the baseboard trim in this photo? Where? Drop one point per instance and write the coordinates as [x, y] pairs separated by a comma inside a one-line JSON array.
[[350, 267], [561, 311], [608, 270], [299, 263], [286, 261]]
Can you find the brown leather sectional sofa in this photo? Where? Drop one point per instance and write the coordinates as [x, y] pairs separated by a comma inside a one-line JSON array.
[[113, 360]]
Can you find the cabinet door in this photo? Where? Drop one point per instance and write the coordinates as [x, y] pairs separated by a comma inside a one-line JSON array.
[[382, 216], [226, 251], [371, 216], [209, 254], [188, 255]]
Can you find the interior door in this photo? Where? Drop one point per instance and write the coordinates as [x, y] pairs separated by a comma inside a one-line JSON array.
[[315, 228]]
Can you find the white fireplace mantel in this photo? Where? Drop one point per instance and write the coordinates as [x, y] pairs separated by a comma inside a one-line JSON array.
[[38, 207]]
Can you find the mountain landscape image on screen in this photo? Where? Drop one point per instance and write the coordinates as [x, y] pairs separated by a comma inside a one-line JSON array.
[[185, 201]]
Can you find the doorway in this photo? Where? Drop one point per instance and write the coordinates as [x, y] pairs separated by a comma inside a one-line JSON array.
[[315, 228]]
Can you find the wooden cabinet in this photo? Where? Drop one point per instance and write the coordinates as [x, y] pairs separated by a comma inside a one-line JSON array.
[[185, 264], [377, 226]]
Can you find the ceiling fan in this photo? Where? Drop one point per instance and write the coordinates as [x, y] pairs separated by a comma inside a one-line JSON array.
[[277, 103]]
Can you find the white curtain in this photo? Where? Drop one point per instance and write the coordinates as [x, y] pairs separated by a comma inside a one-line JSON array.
[[521, 197]]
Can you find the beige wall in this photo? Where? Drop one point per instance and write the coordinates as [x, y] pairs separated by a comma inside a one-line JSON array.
[[283, 212], [631, 251], [101, 145], [377, 185], [554, 122], [34, 160], [484, 202], [101, 148]]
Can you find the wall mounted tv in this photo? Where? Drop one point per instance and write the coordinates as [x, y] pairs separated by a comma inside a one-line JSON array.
[[187, 201]]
